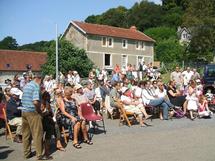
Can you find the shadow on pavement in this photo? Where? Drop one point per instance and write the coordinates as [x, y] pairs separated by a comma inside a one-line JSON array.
[[4, 154]]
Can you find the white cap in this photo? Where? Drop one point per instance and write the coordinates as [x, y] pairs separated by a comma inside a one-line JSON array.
[[16, 92], [77, 86], [124, 89]]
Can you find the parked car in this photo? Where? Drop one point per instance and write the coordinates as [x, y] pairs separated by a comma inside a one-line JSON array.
[[209, 78]]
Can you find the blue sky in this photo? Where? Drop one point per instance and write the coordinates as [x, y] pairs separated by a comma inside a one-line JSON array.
[[29, 21]]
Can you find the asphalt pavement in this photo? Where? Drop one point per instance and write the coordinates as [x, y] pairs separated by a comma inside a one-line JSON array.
[[176, 140]]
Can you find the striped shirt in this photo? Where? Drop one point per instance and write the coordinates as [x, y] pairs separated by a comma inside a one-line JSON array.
[[31, 92]]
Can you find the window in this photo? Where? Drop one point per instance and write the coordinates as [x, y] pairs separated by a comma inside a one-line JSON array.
[[8, 65], [137, 45], [110, 42], [124, 43], [104, 41], [142, 45], [107, 60], [124, 61]]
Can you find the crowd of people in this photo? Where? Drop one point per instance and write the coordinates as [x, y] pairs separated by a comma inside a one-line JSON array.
[[40, 107]]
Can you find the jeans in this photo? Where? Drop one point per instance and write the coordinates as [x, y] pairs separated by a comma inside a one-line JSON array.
[[161, 102]]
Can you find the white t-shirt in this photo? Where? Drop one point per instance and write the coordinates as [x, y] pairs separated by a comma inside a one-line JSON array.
[[187, 77], [126, 98], [160, 94]]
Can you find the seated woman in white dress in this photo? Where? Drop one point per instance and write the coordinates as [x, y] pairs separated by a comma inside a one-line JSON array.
[[192, 104]]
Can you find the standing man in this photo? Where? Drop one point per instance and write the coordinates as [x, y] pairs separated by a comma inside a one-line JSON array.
[[177, 77], [31, 118], [187, 75], [196, 75]]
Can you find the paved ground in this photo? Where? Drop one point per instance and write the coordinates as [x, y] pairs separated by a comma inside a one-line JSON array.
[[176, 140]]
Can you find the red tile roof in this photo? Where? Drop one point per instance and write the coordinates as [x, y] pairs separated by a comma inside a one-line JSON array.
[[105, 30], [13, 60]]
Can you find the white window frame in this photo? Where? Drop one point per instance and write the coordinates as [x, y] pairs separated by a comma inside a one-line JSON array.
[[126, 60], [126, 44], [106, 41], [107, 66], [111, 46]]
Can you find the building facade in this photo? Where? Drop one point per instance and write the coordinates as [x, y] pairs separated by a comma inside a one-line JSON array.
[[14, 62], [107, 46]]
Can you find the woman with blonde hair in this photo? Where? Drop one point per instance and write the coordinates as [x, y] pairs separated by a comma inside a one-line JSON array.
[[192, 104]]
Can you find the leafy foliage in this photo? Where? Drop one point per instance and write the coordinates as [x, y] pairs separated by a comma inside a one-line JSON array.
[[8, 43], [70, 58], [161, 33], [169, 51], [200, 18], [113, 17], [37, 46]]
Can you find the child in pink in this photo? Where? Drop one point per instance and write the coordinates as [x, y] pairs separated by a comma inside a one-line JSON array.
[[203, 109]]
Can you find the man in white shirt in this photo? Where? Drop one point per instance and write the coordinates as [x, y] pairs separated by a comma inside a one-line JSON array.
[[48, 84], [187, 75]]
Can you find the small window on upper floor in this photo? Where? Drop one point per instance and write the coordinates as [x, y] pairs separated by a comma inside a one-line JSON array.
[[137, 45], [142, 45], [7, 65], [110, 42], [104, 41], [185, 36], [124, 44]]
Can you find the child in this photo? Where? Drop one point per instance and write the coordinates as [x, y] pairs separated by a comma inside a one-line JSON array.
[[203, 109]]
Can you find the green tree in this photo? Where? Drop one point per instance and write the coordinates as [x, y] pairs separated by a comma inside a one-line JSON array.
[[113, 17], [93, 19], [161, 33], [168, 4], [70, 58], [200, 18], [145, 15], [169, 51], [37, 46], [8, 43]]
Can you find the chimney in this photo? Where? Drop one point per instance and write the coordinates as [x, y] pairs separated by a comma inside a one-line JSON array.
[[133, 28]]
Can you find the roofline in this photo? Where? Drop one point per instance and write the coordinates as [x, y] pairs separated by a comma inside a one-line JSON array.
[[36, 52], [24, 70], [84, 32], [74, 24], [152, 40]]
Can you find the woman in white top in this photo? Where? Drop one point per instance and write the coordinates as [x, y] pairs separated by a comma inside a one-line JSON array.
[[192, 99], [132, 105]]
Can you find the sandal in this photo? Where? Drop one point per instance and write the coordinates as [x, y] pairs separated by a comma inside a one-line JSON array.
[[61, 149], [89, 142], [77, 146]]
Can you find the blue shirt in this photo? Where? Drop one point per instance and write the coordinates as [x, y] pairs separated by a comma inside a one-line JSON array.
[[115, 78], [31, 92]]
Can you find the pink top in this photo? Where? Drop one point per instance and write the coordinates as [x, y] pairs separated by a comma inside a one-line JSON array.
[[202, 106]]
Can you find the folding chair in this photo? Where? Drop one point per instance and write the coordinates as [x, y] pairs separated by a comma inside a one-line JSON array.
[[89, 115], [7, 126], [126, 115]]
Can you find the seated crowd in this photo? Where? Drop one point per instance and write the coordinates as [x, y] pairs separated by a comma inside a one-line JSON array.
[[59, 105]]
